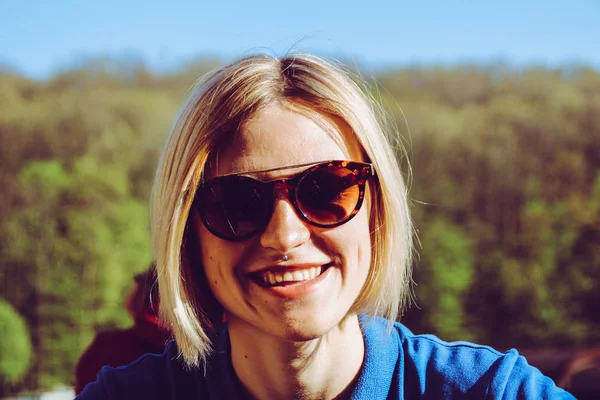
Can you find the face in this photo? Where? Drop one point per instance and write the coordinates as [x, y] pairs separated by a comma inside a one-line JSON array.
[[328, 266]]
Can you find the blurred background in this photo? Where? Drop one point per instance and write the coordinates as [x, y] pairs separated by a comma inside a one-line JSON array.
[[498, 105]]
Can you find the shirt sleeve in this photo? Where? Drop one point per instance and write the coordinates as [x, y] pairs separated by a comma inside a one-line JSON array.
[[516, 379], [434, 369]]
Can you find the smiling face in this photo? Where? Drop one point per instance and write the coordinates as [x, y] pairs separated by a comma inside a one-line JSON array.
[[327, 267]]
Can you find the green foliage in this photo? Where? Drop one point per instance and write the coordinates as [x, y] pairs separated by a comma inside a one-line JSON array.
[[15, 346], [446, 272], [80, 261], [510, 157], [78, 162], [506, 180]]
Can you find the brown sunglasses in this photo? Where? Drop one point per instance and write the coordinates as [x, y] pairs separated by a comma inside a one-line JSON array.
[[236, 207]]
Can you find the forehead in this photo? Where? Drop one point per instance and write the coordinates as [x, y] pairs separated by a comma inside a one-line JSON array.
[[280, 136]]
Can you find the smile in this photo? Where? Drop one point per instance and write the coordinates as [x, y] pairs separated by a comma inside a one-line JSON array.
[[287, 277]]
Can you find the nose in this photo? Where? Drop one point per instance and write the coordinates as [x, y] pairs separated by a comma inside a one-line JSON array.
[[285, 230]]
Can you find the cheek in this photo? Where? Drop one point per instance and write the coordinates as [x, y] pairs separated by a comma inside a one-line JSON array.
[[212, 267], [352, 242], [219, 259], [219, 274], [363, 238], [214, 259]]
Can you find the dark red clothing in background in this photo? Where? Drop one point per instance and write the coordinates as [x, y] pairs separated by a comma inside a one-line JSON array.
[[121, 347]]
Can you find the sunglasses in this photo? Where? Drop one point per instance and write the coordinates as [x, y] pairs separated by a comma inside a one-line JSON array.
[[326, 195]]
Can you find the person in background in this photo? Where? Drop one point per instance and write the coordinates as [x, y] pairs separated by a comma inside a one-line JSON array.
[[279, 204], [121, 347]]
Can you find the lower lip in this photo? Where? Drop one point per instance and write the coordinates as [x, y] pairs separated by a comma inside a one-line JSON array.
[[297, 290]]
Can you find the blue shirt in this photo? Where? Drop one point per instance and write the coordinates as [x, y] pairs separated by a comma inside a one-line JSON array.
[[399, 365]]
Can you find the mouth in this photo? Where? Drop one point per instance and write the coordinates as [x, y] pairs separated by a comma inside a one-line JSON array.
[[291, 277]]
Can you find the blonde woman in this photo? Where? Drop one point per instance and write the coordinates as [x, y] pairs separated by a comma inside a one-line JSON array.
[[283, 244]]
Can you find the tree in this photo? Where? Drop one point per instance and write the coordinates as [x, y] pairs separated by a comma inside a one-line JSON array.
[[444, 275], [15, 346]]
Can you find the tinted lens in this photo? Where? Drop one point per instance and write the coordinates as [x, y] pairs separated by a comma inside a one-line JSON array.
[[234, 207], [328, 195]]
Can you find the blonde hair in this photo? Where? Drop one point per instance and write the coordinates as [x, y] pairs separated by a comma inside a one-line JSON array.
[[215, 109]]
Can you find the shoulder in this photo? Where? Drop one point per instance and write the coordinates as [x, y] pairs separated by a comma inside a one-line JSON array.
[[428, 367], [152, 376], [473, 369], [427, 351]]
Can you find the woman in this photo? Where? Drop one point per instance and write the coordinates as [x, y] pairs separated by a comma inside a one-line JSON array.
[[279, 208]]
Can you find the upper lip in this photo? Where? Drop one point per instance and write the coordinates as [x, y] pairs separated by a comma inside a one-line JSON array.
[[288, 267]]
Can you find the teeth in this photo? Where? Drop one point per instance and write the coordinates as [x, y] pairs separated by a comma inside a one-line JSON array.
[[298, 276], [273, 277]]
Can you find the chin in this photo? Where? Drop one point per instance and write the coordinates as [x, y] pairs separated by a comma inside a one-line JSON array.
[[304, 334], [311, 327]]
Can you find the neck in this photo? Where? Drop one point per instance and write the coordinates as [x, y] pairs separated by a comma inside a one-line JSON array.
[[323, 368]]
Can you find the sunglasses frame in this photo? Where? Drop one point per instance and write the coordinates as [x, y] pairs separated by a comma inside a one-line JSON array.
[[361, 170]]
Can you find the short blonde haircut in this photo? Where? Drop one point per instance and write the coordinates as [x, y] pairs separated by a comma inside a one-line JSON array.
[[216, 108]]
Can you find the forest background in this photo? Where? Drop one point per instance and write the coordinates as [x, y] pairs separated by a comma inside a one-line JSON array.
[[505, 189]]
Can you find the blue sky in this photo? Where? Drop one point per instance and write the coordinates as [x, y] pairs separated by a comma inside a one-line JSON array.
[[39, 37]]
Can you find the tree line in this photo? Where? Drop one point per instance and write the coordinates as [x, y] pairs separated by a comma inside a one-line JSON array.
[[505, 190]]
